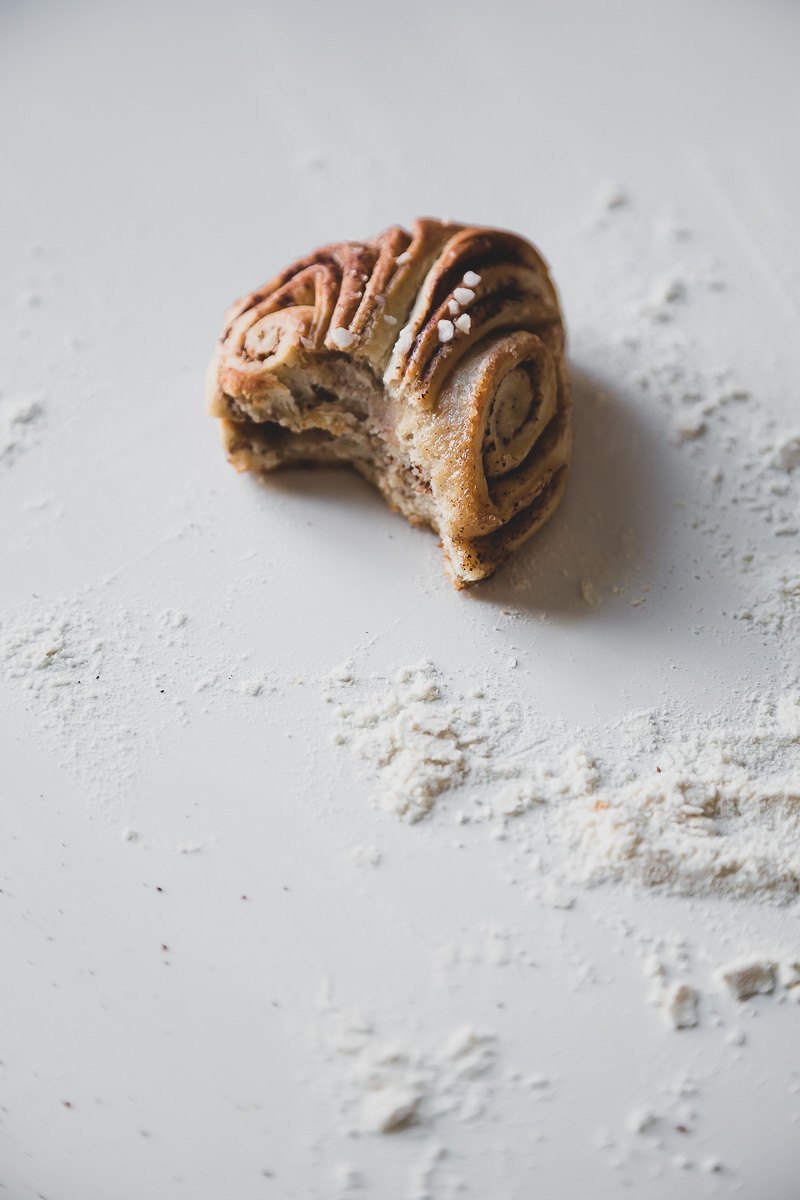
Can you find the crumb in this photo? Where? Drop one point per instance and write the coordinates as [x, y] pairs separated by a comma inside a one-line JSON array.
[[681, 1005], [743, 980]]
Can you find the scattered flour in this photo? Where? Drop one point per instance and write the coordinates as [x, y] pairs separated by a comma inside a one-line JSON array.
[[721, 815], [664, 1131], [488, 945], [657, 803], [93, 672], [774, 605], [681, 1001], [744, 463], [61, 656], [422, 741]]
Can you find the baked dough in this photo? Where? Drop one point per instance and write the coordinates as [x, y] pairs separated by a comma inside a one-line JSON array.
[[432, 362]]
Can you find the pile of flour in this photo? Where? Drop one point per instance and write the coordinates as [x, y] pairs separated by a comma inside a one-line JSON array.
[[653, 801], [405, 1084], [423, 740], [721, 815], [388, 1084]]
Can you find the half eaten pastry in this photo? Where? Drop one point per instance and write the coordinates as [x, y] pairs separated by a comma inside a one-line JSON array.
[[432, 362]]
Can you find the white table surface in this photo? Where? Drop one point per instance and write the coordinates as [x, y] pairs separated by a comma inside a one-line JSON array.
[[158, 160]]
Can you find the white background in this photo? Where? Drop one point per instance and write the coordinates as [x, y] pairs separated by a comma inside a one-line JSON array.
[[157, 160]]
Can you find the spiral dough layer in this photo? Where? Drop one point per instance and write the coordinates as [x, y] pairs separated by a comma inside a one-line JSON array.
[[431, 361]]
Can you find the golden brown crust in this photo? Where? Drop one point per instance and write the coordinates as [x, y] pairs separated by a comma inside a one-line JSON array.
[[432, 361]]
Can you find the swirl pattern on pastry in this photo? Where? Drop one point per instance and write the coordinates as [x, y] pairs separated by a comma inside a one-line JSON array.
[[432, 361]]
